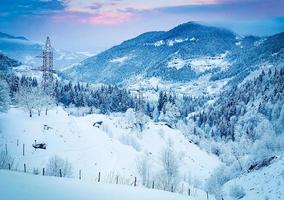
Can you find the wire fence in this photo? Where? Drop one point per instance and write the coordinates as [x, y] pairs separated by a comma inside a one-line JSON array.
[[108, 177]]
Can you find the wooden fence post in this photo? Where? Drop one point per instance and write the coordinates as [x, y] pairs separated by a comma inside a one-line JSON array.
[[25, 168], [172, 188], [17, 142], [6, 149], [135, 181], [99, 177], [188, 191], [43, 171], [9, 166], [60, 173], [153, 185], [116, 180], [80, 174], [207, 195], [23, 149]]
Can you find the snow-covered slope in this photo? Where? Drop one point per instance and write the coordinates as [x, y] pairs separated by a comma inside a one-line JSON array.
[[181, 56], [7, 64], [195, 88], [112, 148], [20, 186], [265, 183]]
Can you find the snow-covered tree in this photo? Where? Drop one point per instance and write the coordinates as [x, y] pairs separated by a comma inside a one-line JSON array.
[[279, 125], [161, 101], [137, 119], [237, 192], [43, 101], [143, 166], [6, 160], [26, 97], [156, 114], [4, 96], [57, 165], [170, 113], [170, 168]]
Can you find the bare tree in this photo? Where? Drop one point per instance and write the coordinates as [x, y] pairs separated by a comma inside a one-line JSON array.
[[143, 169], [170, 168], [57, 165], [43, 100], [34, 99], [25, 97], [137, 119], [6, 161]]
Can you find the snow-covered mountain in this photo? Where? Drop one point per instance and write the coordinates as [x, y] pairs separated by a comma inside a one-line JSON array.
[[7, 63], [183, 54], [25, 51]]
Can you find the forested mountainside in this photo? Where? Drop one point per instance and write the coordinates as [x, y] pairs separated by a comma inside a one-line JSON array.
[[183, 54], [7, 63], [262, 96]]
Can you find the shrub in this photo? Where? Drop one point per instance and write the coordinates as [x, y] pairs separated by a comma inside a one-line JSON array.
[[219, 177], [5, 160], [55, 164], [237, 192], [130, 140]]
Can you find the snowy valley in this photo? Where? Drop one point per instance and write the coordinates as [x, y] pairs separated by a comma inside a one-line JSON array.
[[196, 112]]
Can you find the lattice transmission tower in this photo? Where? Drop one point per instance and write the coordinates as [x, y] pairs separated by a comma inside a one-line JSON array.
[[47, 65]]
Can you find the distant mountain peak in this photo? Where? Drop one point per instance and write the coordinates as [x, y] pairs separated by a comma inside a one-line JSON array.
[[5, 35], [197, 28], [26, 52], [192, 24]]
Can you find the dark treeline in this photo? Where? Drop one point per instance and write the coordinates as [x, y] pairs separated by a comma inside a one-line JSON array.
[[109, 98]]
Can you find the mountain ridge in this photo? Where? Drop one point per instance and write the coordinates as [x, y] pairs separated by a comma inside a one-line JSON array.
[[5, 35], [26, 51], [181, 54]]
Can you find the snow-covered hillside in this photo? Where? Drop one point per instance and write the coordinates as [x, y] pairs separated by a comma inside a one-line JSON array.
[[201, 64], [112, 148], [265, 183], [181, 54], [202, 86], [19, 186]]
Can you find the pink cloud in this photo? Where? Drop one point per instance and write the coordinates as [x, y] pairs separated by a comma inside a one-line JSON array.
[[109, 18], [65, 16], [105, 18]]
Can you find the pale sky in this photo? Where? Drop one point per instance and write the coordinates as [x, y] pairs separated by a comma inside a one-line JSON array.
[[94, 25]]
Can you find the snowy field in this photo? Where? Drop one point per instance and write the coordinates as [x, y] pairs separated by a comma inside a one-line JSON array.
[[20, 186], [112, 148]]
